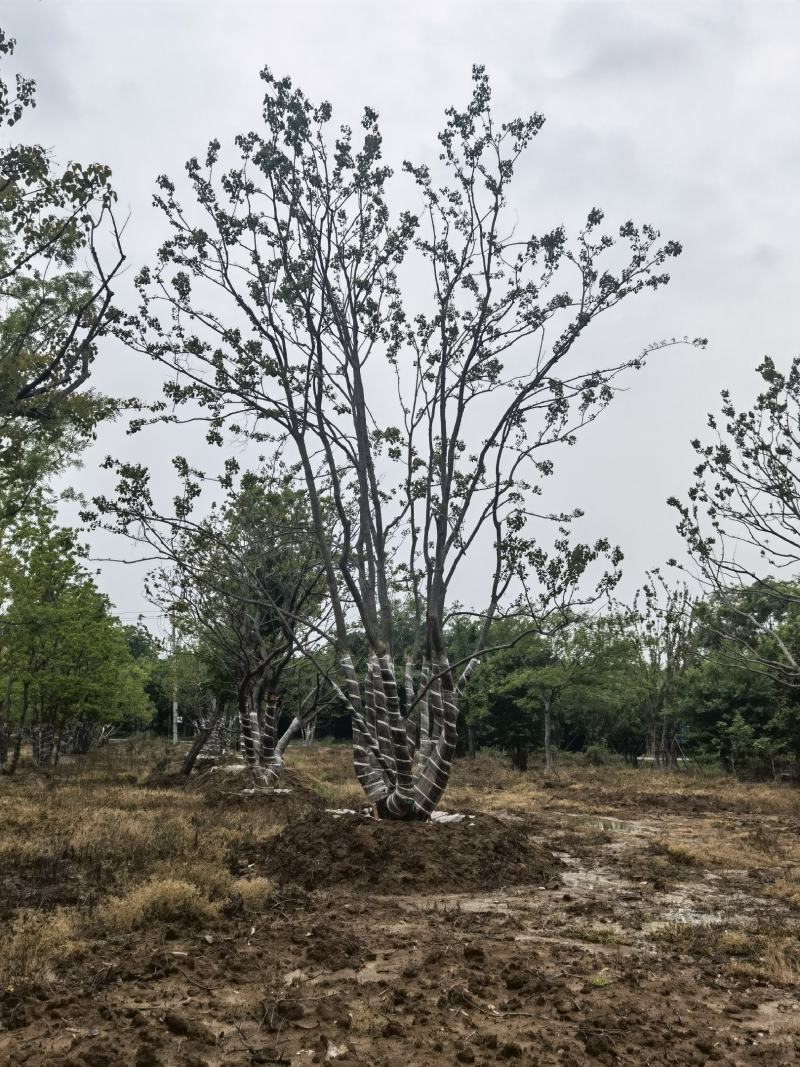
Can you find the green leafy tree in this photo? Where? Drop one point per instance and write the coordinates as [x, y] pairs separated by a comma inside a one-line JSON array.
[[729, 688], [663, 623], [59, 254], [65, 659], [741, 523]]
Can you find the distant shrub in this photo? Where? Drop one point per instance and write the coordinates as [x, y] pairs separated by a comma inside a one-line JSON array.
[[601, 756]]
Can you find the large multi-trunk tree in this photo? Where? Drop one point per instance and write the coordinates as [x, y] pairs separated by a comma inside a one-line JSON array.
[[287, 305]]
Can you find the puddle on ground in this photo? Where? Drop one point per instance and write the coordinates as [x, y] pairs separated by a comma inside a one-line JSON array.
[[684, 917], [609, 823]]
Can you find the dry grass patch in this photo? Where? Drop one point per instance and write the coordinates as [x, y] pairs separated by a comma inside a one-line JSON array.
[[133, 839], [254, 894], [787, 888], [780, 963], [594, 935], [164, 900], [732, 854], [27, 851], [774, 958], [327, 770], [767, 955], [210, 876], [31, 945], [694, 939]]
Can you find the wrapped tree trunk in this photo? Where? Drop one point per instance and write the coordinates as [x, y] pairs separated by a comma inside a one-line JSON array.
[[249, 731], [218, 742], [402, 780], [262, 753], [299, 724], [269, 728]]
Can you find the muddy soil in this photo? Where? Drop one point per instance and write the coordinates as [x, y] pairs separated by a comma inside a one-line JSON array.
[[323, 850], [616, 957], [291, 798]]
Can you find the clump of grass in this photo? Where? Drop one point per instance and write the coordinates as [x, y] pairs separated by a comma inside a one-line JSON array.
[[780, 963], [160, 900], [31, 945], [342, 795], [767, 954], [694, 939], [132, 839], [25, 851], [773, 958], [207, 874], [787, 888], [254, 893], [732, 854], [595, 935], [686, 855]]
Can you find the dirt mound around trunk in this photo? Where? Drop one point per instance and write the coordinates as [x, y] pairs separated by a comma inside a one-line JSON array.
[[234, 786], [388, 857]]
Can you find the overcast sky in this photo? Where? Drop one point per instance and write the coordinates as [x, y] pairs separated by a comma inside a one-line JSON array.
[[682, 114]]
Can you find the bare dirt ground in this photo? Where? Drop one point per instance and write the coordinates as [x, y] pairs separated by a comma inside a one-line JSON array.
[[611, 917]]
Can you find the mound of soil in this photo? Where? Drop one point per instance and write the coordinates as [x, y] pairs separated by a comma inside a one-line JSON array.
[[390, 857], [291, 799]]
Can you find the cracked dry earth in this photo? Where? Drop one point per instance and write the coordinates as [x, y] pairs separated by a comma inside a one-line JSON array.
[[645, 945]]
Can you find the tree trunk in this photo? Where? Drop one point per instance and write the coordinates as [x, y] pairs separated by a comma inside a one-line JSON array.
[[275, 767], [5, 724], [519, 757], [202, 737], [23, 714], [548, 735], [399, 782], [269, 728], [42, 744], [471, 748], [248, 727], [220, 737]]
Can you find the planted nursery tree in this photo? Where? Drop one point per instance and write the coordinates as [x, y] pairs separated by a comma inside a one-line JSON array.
[[281, 306], [243, 584]]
